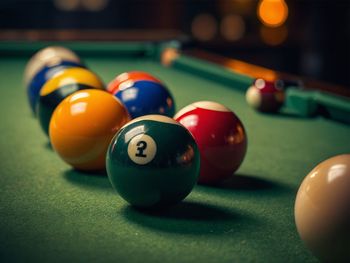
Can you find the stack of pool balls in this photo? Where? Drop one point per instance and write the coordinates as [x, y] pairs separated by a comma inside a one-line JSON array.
[[155, 161], [73, 107], [153, 158]]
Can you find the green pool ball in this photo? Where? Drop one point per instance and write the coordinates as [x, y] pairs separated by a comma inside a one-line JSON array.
[[153, 161]]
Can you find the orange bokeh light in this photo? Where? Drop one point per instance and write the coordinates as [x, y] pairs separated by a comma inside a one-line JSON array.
[[272, 13]]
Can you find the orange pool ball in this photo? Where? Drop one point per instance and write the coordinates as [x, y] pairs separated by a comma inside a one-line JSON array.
[[83, 125], [127, 78]]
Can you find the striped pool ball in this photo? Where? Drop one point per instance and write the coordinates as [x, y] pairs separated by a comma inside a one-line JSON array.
[[153, 161], [220, 136], [42, 76], [48, 56], [265, 96], [83, 125], [144, 97], [61, 86], [124, 79]]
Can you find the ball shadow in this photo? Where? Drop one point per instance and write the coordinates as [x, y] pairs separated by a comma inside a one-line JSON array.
[[97, 179], [189, 217], [249, 183], [285, 113], [291, 115]]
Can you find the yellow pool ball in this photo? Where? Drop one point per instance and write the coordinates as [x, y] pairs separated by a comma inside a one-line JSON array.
[[61, 86], [83, 125]]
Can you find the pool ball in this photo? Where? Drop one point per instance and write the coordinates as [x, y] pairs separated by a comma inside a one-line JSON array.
[[146, 97], [48, 56], [153, 162], [322, 210], [38, 81], [264, 96], [127, 78], [61, 86], [83, 125], [220, 136]]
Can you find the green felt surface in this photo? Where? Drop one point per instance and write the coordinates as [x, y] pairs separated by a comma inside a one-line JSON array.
[[51, 213]]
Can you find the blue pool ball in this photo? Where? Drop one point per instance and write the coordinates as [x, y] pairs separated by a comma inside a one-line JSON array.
[[38, 81], [146, 97]]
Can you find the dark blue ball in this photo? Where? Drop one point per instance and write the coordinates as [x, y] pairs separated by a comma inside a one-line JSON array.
[[38, 81], [147, 97]]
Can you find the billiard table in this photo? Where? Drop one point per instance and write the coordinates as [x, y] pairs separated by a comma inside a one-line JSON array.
[[52, 213]]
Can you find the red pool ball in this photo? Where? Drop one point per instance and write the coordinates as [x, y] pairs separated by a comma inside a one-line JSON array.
[[125, 79], [265, 96], [220, 136]]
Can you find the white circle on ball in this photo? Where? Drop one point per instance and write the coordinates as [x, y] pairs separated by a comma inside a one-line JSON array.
[[260, 83], [142, 149]]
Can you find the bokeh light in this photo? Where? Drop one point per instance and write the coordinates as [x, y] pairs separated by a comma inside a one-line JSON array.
[[272, 13], [204, 27], [232, 27]]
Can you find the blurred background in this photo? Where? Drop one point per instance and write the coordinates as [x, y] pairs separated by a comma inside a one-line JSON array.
[[308, 38]]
